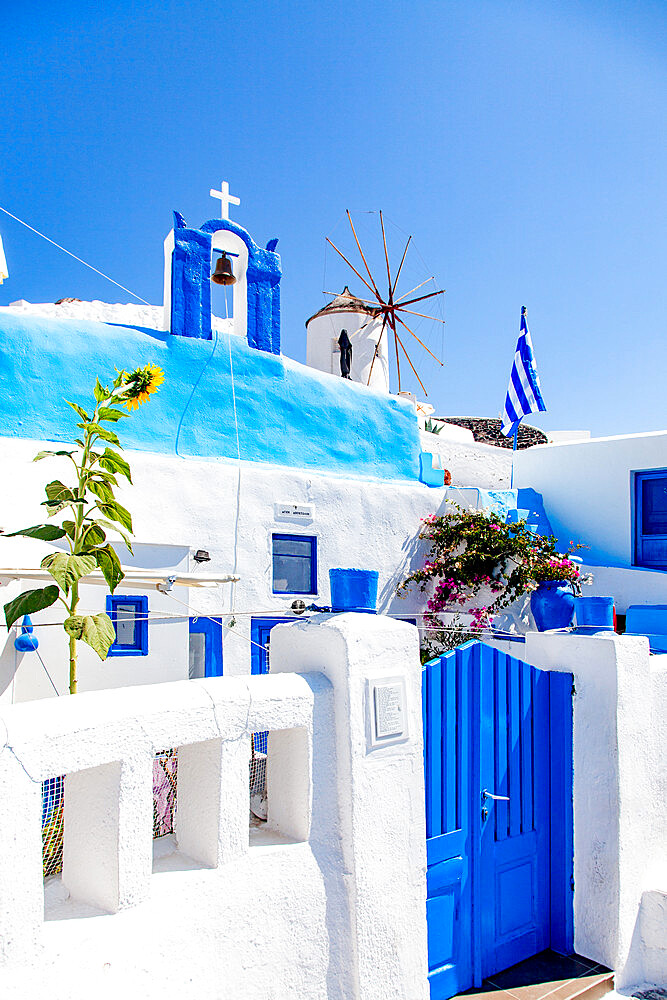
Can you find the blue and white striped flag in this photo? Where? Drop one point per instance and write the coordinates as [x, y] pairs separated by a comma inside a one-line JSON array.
[[523, 392]]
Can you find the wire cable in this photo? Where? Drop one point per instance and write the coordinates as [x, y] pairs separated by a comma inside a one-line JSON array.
[[80, 260]]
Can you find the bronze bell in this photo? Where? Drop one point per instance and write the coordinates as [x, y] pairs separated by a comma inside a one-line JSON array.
[[223, 274]]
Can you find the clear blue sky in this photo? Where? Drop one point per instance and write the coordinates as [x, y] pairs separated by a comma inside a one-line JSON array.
[[523, 144]]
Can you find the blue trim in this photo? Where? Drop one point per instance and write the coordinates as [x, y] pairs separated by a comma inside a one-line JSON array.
[[191, 286], [313, 561], [213, 655], [260, 629], [644, 545], [140, 645], [561, 852]]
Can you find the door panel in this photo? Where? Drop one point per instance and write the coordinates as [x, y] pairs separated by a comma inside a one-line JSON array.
[[446, 694], [205, 647], [497, 735], [651, 519], [514, 834]]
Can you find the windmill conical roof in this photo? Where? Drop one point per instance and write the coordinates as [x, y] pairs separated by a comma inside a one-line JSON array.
[[345, 301]]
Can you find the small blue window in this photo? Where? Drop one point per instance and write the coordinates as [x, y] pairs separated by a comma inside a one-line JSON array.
[[130, 620], [294, 564], [651, 519]]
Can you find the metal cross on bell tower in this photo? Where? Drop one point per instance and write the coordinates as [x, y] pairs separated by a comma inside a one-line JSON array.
[[226, 199]]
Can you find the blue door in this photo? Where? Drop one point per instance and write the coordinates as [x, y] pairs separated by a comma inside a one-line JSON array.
[[205, 648], [498, 769], [651, 519], [260, 635]]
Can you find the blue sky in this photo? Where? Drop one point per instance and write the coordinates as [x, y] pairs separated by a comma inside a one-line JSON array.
[[522, 144]]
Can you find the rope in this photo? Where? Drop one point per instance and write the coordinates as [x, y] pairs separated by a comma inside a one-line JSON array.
[[80, 260], [238, 458]]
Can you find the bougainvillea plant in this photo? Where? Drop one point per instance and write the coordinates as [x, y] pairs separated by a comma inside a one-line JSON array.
[[473, 551], [79, 506]]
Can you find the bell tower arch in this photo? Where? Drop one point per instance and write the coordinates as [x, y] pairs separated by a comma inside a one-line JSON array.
[[187, 282]]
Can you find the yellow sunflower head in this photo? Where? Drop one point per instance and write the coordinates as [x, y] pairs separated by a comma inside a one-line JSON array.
[[140, 384]]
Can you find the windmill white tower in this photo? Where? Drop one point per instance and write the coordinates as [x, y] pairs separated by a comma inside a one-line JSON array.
[[364, 324]]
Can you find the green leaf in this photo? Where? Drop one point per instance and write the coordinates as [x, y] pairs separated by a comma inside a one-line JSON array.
[[93, 535], [119, 531], [48, 454], [102, 490], [58, 492], [69, 528], [113, 462], [47, 532], [115, 512], [53, 507], [107, 413], [109, 563], [101, 432], [107, 435], [60, 496], [29, 602], [100, 475], [100, 391], [67, 569], [78, 409], [96, 630]]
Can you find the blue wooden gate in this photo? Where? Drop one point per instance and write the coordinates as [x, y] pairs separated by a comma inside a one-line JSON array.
[[498, 770]]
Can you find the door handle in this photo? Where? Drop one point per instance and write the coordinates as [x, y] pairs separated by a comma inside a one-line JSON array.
[[496, 798]]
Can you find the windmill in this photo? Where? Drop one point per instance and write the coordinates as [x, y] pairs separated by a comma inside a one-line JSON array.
[[393, 308]]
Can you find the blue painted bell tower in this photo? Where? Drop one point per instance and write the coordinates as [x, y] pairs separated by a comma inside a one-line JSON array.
[[187, 287]]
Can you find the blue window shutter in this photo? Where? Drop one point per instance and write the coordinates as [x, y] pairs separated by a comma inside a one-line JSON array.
[[129, 611]]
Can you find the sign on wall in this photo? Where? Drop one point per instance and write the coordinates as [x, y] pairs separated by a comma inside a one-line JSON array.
[[387, 715], [292, 512]]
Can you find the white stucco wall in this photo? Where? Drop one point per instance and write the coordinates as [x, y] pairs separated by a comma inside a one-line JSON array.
[[586, 486], [470, 464], [22, 675], [328, 902], [182, 504], [620, 799]]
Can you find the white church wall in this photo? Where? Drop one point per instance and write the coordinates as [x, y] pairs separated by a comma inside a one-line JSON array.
[[230, 511], [337, 908], [620, 798]]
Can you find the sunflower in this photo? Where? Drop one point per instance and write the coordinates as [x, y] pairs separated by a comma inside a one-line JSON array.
[[140, 384]]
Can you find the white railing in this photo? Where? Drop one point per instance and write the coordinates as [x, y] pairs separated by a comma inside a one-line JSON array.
[[321, 894]]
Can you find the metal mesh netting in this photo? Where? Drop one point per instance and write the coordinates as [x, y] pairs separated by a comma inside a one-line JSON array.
[[53, 796], [165, 778], [165, 774], [258, 797]]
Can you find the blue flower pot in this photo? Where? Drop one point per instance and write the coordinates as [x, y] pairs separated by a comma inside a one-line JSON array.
[[594, 614], [354, 590], [552, 605]]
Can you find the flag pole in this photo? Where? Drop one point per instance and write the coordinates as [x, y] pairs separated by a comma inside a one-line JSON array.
[[514, 447]]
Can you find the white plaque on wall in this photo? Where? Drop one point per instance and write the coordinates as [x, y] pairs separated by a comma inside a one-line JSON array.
[[292, 512], [387, 711]]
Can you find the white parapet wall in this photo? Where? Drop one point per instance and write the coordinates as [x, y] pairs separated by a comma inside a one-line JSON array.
[[327, 900], [470, 463], [620, 799]]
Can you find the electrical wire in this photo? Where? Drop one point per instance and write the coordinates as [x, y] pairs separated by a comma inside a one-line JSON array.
[[80, 260]]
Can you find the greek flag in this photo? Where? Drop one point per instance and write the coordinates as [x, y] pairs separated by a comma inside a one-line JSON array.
[[523, 391]]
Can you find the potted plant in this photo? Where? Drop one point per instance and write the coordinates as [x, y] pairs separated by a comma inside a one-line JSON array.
[[557, 579], [479, 562]]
